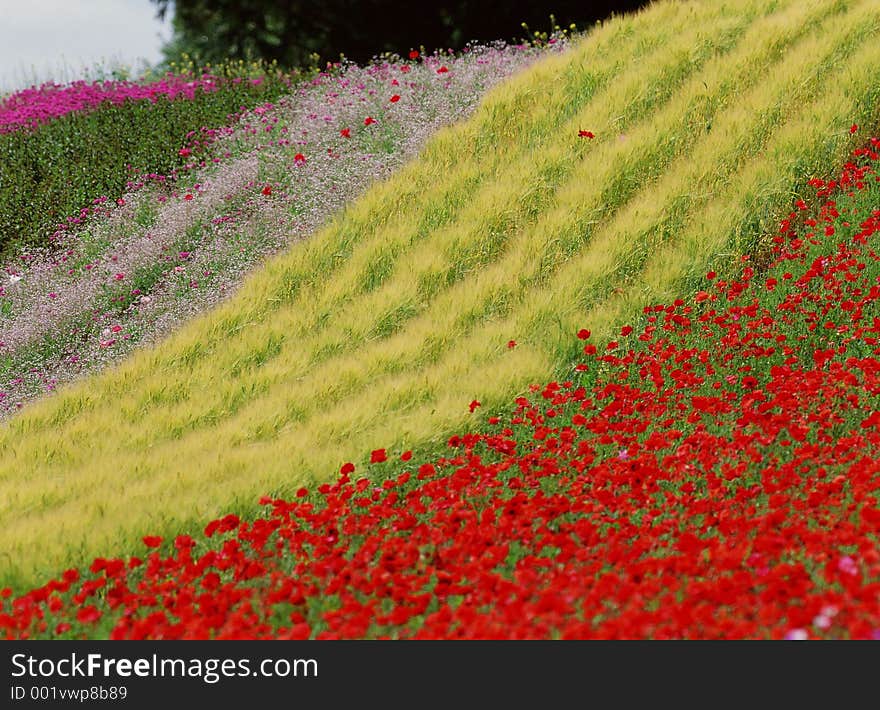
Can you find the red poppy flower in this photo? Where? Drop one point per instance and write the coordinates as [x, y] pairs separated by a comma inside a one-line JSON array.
[[406, 456], [369, 120], [88, 615], [378, 456], [586, 134], [584, 334], [442, 70], [267, 190], [299, 158], [511, 344], [187, 197], [853, 128], [347, 468], [414, 54], [345, 133], [394, 99], [152, 541], [473, 405]]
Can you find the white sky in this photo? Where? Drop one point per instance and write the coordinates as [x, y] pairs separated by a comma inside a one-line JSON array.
[[56, 39]]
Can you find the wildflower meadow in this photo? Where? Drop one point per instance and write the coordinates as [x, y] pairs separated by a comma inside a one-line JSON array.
[[569, 340]]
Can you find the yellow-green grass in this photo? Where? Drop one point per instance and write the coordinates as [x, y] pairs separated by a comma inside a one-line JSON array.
[[379, 330]]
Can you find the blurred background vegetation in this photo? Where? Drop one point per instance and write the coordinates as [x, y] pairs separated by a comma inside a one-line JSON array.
[[297, 33]]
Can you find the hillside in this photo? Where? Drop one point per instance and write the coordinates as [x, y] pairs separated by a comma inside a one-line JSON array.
[[712, 476], [598, 181]]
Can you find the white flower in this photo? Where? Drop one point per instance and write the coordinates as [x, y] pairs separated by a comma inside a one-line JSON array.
[[14, 278], [820, 621], [797, 635]]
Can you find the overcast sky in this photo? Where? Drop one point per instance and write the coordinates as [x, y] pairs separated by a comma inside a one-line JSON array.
[[55, 39]]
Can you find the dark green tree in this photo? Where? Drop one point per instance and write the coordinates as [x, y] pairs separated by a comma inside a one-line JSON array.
[[291, 32]]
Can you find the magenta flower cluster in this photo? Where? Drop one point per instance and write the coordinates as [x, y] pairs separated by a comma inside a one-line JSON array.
[[36, 105]]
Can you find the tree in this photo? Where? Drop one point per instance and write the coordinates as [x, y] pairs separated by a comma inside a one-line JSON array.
[[292, 31]]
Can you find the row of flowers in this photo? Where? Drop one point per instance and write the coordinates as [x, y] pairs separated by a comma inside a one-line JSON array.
[[29, 108], [64, 146]]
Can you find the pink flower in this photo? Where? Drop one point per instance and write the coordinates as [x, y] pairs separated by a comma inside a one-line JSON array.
[[848, 565], [820, 621]]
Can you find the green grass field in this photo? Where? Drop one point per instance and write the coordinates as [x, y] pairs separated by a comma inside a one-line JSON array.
[[380, 330]]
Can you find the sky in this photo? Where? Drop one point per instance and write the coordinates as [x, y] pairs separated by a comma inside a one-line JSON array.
[[56, 39]]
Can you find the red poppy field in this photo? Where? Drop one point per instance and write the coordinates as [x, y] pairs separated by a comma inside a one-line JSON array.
[[714, 472]]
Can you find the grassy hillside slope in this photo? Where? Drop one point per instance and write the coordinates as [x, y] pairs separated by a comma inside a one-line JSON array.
[[381, 329]]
